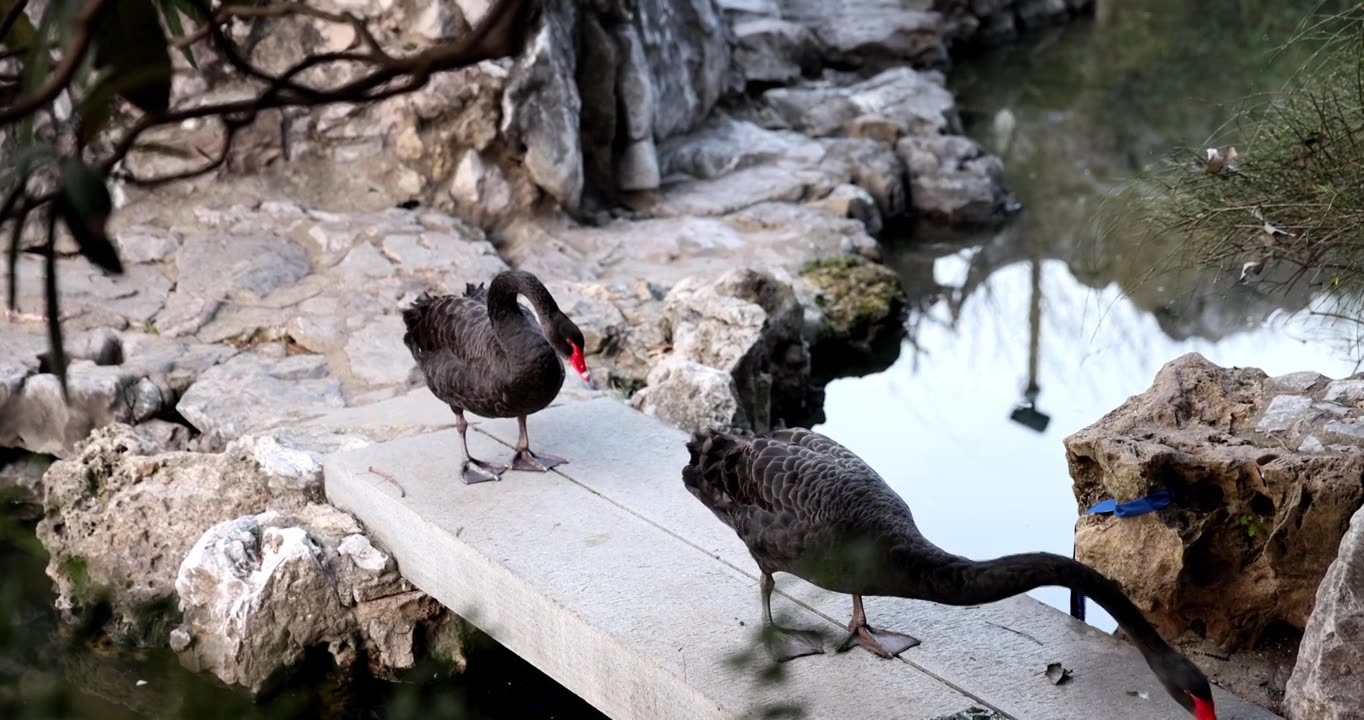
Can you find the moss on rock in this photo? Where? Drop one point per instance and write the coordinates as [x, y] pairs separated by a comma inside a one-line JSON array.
[[859, 298]]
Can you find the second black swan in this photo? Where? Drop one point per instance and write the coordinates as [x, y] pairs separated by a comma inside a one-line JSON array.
[[806, 505], [485, 353]]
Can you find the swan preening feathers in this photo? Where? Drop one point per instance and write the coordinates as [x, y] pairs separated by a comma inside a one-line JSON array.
[[805, 505], [483, 352], [801, 502]]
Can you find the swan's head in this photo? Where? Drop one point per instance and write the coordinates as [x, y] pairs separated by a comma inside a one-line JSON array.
[[568, 342], [1187, 685]]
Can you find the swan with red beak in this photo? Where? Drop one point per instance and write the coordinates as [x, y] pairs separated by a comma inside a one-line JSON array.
[[485, 353]]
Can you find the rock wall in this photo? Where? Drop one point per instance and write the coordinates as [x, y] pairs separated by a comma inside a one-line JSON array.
[[1264, 474], [1325, 681]]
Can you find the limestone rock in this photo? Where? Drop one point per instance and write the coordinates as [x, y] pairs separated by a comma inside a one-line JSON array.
[[145, 244], [872, 33], [1325, 681], [859, 300], [541, 105], [772, 50], [691, 396], [749, 325], [954, 181], [251, 392], [1251, 518], [259, 591], [255, 597], [910, 101], [121, 514], [39, 419], [213, 268], [776, 236], [21, 477], [728, 166], [377, 354], [90, 297], [687, 46]]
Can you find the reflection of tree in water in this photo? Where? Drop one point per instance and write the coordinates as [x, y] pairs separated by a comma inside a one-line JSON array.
[[1077, 114]]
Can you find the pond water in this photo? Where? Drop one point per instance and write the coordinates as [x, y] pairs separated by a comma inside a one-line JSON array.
[[1090, 106]]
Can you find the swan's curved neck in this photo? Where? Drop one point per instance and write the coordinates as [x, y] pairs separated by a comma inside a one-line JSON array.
[[502, 306], [954, 580]]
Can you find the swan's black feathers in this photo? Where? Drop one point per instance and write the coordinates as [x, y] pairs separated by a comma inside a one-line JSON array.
[[797, 499], [806, 505], [469, 365]]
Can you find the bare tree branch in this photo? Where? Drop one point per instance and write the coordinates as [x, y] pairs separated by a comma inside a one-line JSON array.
[[81, 38]]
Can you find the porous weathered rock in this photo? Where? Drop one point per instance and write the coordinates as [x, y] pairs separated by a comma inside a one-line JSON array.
[[747, 324], [121, 514], [1326, 679], [1252, 517], [259, 591], [691, 396]]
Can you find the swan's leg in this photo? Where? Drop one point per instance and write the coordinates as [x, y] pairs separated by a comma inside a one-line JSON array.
[[885, 643], [524, 459], [474, 471], [784, 643]]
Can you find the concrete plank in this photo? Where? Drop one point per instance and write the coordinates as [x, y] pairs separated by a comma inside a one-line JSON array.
[[635, 620], [995, 652]]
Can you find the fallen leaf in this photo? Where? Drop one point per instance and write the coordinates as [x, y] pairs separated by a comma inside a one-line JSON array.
[[1057, 674]]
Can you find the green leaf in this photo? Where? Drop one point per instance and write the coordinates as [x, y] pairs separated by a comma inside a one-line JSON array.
[[171, 11], [129, 39], [21, 34], [84, 205], [98, 104], [54, 322]]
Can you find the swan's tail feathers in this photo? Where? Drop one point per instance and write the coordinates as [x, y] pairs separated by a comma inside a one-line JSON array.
[[704, 476], [414, 316], [477, 292]]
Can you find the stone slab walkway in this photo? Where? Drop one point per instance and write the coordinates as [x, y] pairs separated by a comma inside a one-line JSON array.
[[613, 580]]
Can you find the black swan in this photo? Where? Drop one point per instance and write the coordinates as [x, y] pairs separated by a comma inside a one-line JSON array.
[[805, 505], [483, 352]]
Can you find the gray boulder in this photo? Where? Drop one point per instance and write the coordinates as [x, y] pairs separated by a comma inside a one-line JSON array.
[[1326, 678]]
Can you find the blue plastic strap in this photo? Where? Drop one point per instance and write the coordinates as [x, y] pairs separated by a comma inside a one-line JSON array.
[[1140, 506]]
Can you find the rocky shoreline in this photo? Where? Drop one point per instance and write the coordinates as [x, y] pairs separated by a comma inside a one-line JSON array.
[[701, 184]]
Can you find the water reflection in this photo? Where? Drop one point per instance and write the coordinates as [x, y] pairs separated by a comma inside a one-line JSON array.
[[1020, 337]]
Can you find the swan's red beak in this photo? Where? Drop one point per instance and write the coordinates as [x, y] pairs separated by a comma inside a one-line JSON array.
[[579, 363], [1202, 709]]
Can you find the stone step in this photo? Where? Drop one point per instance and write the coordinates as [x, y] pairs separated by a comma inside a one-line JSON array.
[[609, 577]]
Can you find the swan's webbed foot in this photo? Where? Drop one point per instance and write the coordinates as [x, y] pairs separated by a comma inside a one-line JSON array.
[[526, 460], [786, 644], [477, 471], [884, 643]]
